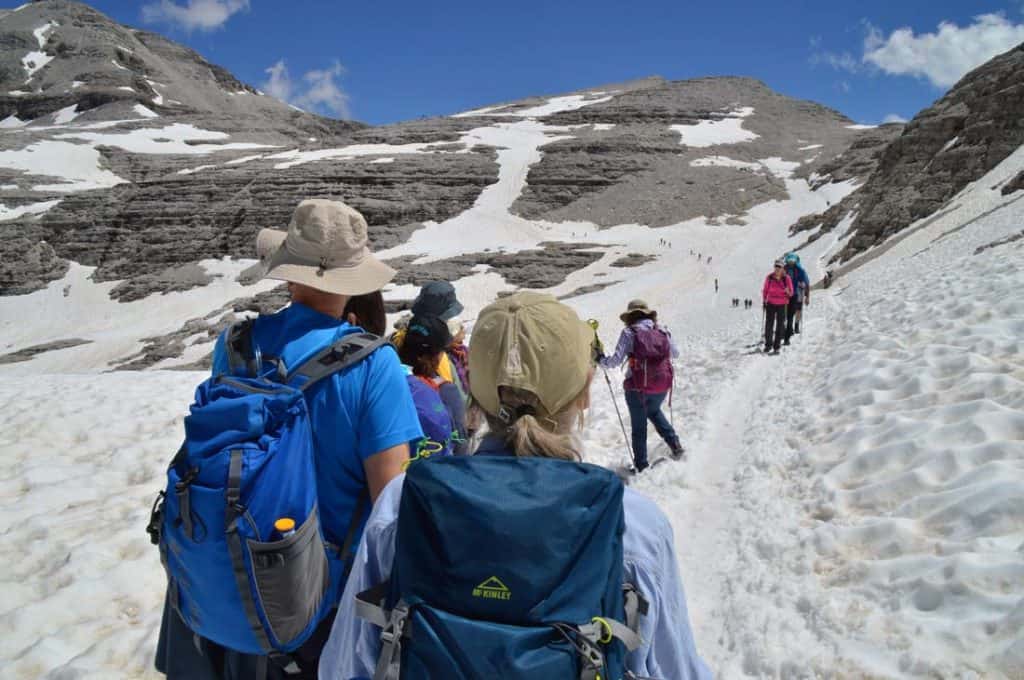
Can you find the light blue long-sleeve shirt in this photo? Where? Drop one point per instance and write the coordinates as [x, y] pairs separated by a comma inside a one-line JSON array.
[[668, 651]]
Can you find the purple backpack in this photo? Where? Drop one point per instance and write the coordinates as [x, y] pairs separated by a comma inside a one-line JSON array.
[[650, 363], [434, 419]]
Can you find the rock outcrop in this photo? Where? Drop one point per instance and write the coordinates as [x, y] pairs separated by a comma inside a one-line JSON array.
[[633, 161], [189, 162], [957, 140]]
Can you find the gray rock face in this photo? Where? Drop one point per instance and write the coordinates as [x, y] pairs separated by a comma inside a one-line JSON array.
[[638, 171], [30, 352], [176, 209], [960, 138], [96, 63], [633, 260], [132, 229], [858, 161], [544, 267], [1015, 184]]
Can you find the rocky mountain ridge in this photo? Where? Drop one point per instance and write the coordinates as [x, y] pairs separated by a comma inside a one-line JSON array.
[[957, 140], [167, 179]]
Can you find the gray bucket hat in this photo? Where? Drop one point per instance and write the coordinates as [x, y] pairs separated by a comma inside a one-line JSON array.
[[324, 248]]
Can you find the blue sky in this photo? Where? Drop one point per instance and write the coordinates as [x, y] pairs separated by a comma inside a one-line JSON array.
[[382, 62]]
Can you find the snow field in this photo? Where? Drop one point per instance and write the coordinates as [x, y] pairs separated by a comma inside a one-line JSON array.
[[84, 455], [727, 130], [852, 508], [921, 457]]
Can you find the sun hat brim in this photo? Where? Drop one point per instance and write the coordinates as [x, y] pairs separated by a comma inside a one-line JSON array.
[[369, 275], [642, 310]]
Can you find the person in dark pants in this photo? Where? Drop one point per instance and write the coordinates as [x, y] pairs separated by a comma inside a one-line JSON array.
[[775, 294], [801, 295], [649, 348]]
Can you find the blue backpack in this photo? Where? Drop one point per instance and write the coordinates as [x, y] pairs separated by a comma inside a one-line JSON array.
[[506, 568], [248, 460]]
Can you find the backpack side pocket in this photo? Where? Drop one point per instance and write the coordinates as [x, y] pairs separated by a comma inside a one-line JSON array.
[[291, 578]]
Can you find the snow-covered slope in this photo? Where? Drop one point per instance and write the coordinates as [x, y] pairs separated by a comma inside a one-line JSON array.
[[851, 508]]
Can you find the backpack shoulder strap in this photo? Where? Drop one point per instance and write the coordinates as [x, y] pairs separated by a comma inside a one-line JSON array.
[[346, 352], [241, 351]]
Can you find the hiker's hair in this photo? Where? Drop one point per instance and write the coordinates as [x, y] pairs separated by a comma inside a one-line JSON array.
[[554, 436], [369, 311], [422, 362]]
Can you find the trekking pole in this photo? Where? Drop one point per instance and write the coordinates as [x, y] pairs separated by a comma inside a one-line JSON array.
[[764, 322], [622, 424]]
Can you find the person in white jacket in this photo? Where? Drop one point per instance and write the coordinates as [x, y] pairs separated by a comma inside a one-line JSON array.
[[551, 392]]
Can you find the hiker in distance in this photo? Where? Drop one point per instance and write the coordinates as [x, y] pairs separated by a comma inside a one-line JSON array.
[[801, 295], [431, 539], [775, 295], [649, 349], [252, 588]]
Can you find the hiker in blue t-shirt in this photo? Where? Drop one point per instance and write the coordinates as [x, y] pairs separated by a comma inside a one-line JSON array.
[[533, 402], [363, 417], [801, 295]]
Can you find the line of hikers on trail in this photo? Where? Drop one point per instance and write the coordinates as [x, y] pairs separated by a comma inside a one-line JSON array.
[[323, 517], [785, 292]]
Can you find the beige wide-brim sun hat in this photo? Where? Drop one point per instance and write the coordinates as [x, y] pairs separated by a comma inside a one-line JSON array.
[[324, 248], [637, 306]]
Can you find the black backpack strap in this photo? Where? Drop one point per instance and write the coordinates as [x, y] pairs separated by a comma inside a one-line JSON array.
[[242, 354], [346, 352]]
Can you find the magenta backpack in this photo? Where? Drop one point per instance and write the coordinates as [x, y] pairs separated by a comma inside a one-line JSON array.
[[650, 363]]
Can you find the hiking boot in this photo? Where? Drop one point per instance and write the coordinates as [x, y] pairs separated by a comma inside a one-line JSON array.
[[785, 342], [678, 452], [775, 351]]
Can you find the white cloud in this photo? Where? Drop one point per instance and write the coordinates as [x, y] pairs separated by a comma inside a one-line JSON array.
[[840, 61], [894, 118], [945, 56], [323, 91], [318, 90], [204, 15], [279, 84]]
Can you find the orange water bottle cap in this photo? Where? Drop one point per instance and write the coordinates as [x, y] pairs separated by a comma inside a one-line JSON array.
[[285, 524]]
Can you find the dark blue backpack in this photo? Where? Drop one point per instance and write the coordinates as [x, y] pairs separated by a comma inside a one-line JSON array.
[[248, 460], [506, 568]]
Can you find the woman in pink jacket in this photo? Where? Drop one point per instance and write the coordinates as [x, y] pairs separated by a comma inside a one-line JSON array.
[[775, 294]]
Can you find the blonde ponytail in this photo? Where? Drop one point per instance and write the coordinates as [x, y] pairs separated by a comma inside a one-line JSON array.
[[532, 434]]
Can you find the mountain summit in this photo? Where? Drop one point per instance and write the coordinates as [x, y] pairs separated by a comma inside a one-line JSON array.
[[64, 58]]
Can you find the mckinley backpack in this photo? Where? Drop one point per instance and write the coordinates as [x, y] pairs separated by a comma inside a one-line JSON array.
[[509, 568], [248, 460], [651, 360]]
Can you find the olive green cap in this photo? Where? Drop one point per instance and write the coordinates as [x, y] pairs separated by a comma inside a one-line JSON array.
[[533, 342]]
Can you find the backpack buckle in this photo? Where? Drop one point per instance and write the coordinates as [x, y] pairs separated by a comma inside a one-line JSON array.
[[156, 519]]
